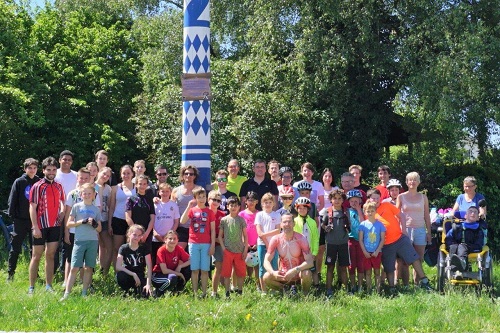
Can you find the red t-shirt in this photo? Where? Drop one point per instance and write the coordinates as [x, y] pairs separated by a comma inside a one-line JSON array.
[[199, 228], [171, 259], [218, 216], [48, 197]]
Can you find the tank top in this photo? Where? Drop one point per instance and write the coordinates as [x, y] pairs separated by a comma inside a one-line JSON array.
[[121, 201], [414, 212], [183, 201]]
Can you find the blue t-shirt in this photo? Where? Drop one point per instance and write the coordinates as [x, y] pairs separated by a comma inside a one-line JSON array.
[[371, 234], [463, 205], [354, 218], [81, 211]]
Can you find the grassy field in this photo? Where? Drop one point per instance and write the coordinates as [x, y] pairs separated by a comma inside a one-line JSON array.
[[107, 311]]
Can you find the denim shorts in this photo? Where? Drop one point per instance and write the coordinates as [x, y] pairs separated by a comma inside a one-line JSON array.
[[200, 259], [84, 251], [417, 235]]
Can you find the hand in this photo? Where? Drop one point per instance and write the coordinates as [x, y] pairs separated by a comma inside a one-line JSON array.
[[110, 230], [37, 233], [244, 255], [328, 228], [144, 238], [66, 238], [428, 238], [137, 280], [366, 254], [147, 289], [193, 203], [211, 251], [156, 200], [60, 217], [291, 273], [375, 254], [181, 276]]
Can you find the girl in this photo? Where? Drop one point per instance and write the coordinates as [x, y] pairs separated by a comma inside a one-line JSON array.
[[249, 216]]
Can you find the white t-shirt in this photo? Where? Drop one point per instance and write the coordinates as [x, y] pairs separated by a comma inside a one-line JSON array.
[[166, 213], [267, 222], [67, 180], [317, 191]]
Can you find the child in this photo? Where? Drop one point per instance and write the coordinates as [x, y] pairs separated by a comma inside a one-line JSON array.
[[221, 179], [372, 237], [465, 238], [394, 187], [287, 194], [307, 227], [214, 201], [131, 261], [234, 242], [105, 239], [171, 271], [355, 253], [86, 219], [166, 219], [267, 223], [139, 170], [336, 226], [201, 238], [249, 215]]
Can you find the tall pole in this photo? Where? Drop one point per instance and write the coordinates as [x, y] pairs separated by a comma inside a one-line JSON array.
[[196, 143]]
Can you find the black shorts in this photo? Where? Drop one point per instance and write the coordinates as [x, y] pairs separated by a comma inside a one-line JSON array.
[[68, 248], [49, 235], [322, 234], [120, 226], [337, 252], [183, 234]]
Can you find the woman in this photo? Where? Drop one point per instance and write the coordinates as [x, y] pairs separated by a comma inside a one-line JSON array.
[[468, 198], [102, 159], [182, 195], [415, 208], [141, 210], [130, 264], [328, 185], [117, 207], [105, 236], [171, 271], [318, 192]]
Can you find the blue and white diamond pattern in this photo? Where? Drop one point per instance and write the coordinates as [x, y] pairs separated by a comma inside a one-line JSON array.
[[197, 50], [196, 122]]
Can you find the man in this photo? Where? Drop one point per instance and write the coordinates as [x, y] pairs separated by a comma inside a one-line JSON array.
[[294, 257], [47, 214], [397, 243], [355, 171], [259, 184], [347, 183], [161, 178], [19, 211], [384, 174], [65, 176], [273, 168], [234, 181]]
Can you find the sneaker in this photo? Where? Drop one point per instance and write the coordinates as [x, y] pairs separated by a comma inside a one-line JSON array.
[[393, 292], [293, 291], [228, 294], [31, 290], [49, 289], [239, 292], [458, 262], [329, 294], [65, 297], [10, 278], [424, 284]]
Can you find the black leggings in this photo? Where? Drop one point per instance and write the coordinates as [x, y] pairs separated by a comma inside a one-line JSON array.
[[170, 282], [22, 229], [127, 283]]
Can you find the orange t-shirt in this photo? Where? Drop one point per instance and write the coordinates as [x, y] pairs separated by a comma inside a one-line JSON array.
[[384, 192], [387, 214]]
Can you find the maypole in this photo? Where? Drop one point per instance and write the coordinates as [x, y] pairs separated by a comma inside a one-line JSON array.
[[196, 143]]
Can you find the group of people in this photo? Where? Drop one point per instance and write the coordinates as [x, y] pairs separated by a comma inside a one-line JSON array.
[[281, 232]]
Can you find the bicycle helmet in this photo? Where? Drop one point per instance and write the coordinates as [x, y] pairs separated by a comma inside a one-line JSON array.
[[393, 182], [287, 191], [354, 194], [304, 186], [303, 201], [285, 169]]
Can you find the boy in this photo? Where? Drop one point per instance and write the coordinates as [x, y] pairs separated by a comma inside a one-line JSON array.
[[356, 255], [372, 237], [383, 173], [465, 238], [305, 190], [221, 179], [234, 242], [307, 227], [267, 223], [201, 238], [86, 219], [166, 218], [336, 226], [394, 187], [19, 211]]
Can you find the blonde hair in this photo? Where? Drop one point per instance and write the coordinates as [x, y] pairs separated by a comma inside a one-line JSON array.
[[133, 228], [88, 186], [267, 197], [214, 194], [413, 175], [368, 205], [165, 186]]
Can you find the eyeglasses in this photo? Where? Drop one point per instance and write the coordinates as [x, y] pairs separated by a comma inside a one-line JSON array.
[[286, 177], [223, 180], [216, 200], [287, 198], [162, 174], [188, 173], [251, 200]]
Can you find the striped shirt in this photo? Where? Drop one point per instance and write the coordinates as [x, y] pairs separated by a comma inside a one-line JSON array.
[[48, 197]]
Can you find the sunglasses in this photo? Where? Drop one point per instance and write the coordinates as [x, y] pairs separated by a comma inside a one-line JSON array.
[[188, 173], [162, 174], [222, 180], [287, 198], [216, 200]]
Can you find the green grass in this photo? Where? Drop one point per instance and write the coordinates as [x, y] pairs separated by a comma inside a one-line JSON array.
[[107, 311]]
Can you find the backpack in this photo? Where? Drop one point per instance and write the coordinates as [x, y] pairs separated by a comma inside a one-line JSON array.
[[345, 218]]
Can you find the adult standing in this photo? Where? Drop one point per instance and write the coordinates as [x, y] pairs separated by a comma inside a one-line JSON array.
[[347, 181], [468, 198], [65, 176], [234, 181], [318, 192], [384, 174], [415, 209], [295, 259], [286, 174], [259, 184], [19, 211], [117, 208], [46, 214], [273, 168], [328, 182], [182, 195], [355, 170], [102, 159], [161, 178]]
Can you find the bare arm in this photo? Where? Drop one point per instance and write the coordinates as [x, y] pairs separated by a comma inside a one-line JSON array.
[[427, 219]]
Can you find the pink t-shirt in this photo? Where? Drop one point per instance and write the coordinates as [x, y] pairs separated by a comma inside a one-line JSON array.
[[251, 229]]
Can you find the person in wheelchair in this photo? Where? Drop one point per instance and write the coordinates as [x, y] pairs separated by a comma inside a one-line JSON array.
[[464, 238]]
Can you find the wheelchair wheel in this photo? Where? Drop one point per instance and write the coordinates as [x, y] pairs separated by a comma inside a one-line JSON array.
[[6, 234], [441, 272], [488, 277]]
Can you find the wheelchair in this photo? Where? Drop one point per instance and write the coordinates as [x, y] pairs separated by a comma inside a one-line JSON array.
[[479, 270]]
